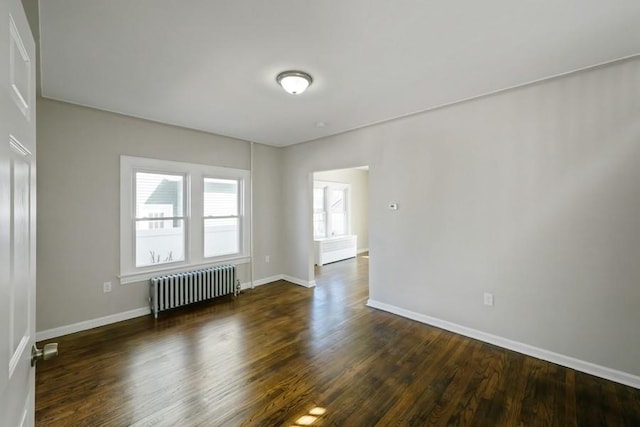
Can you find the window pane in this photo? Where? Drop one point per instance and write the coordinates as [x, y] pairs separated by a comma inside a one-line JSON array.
[[159, 194], [318, 199], [338, 224], [337, 200], [319, 225], [221, 236], [159, 242], [220, 197]]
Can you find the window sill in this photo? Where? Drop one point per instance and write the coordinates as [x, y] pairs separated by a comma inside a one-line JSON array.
[[128, 278]]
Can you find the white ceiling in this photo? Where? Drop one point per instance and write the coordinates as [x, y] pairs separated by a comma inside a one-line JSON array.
[[211, 64]]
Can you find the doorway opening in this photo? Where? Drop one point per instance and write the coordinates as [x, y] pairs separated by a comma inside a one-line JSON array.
[[340, 219]]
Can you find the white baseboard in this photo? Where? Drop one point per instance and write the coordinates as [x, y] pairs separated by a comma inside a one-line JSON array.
[[143, 311], [363, 250], [90, 324], [260, 282], [539, 353], [275, 278], [300, 282]]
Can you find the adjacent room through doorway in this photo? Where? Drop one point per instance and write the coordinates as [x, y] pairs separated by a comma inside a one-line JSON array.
[[340, 215]]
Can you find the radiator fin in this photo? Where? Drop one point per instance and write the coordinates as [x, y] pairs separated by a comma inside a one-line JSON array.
[[176, 290], [337, 245]]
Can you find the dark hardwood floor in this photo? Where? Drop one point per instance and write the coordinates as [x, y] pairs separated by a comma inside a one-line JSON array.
[[283, 355]]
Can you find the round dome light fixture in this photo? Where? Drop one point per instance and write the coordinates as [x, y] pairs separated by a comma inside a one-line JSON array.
[[294, 82]]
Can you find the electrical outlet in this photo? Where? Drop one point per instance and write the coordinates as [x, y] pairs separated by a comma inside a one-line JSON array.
[[267, 259], [488, 299], [106, 287]]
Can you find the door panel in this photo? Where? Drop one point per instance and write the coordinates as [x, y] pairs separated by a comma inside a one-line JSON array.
[[19, 70], [20, 257], [17, 216]]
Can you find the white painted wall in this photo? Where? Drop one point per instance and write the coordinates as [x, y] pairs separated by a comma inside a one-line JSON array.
[[532, 194], [359, 199], [78, 204]]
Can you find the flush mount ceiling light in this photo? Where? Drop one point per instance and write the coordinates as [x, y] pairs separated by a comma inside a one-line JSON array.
[[294, 82]]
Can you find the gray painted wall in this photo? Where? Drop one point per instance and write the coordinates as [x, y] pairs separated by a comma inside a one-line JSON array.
[[267, 211], [532, 194], [359, 181], [78, 204]]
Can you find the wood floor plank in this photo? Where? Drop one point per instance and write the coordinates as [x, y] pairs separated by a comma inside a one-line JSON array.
[[286, 355]]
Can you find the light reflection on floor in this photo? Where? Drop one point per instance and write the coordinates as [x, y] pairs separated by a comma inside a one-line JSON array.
[[171, 361], [314, 414], [231, 361], [150, 367], [328, 311]]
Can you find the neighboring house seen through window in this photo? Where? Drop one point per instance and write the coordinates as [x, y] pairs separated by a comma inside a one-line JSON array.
[[159, 195]]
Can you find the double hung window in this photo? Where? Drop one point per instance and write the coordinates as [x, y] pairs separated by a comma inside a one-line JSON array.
[[176, 215], [319, 212], [159, 195], [330, 209], [338, 211], [221, 217]]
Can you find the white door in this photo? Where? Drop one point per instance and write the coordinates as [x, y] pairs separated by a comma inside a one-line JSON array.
[[17, 216]]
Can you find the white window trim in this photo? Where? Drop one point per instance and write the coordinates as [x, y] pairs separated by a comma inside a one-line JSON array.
[[194, 223]]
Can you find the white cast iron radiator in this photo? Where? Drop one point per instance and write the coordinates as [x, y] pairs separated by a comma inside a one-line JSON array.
[[180, 289], [336, 248]]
